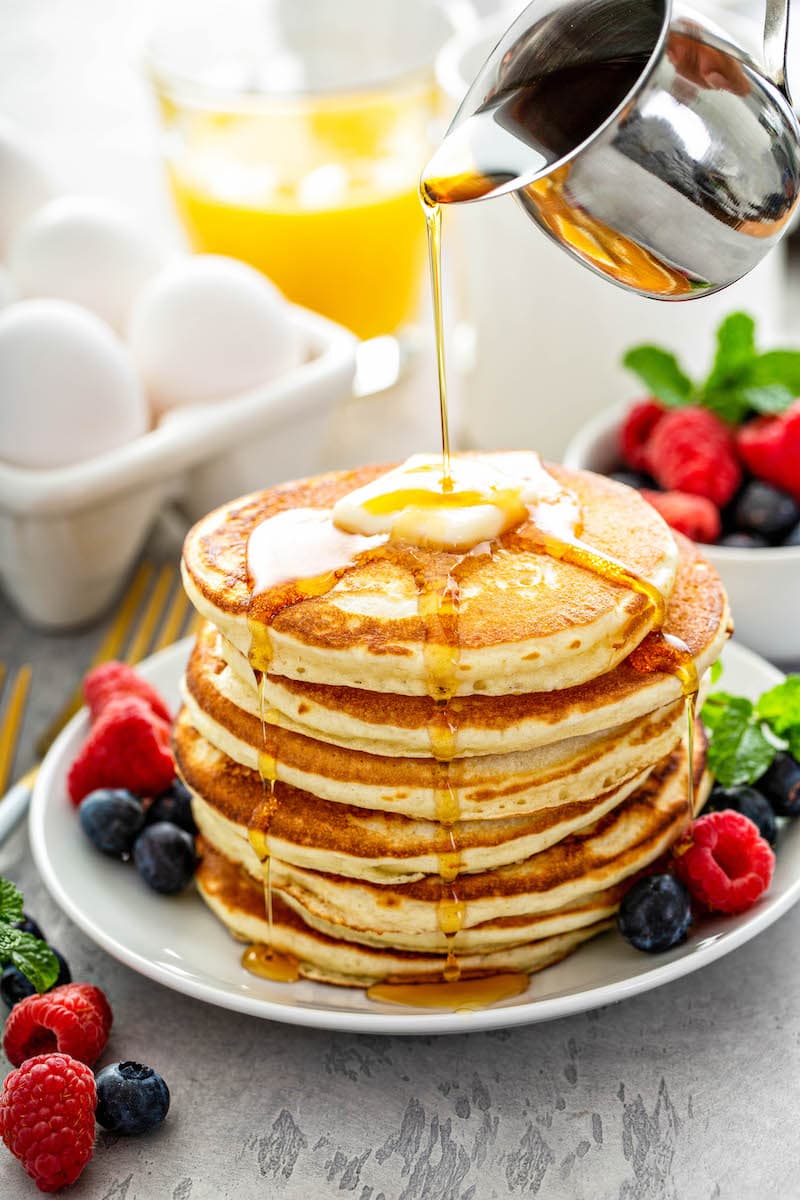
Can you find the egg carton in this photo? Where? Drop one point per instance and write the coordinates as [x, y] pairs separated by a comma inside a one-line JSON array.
[[69, 535]]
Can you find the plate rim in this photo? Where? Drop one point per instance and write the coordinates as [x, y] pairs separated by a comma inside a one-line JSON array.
[[348, 1021]]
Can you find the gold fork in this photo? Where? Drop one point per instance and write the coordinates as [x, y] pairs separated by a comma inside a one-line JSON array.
[[15, 802], [146, 621]]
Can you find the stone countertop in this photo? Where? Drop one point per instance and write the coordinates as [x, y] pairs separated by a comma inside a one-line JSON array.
[[687, 1093]]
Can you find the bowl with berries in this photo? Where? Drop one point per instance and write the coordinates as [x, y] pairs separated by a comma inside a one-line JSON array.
[[720, 460]]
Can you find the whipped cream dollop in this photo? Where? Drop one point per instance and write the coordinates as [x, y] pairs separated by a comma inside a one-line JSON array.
[[484, 496]]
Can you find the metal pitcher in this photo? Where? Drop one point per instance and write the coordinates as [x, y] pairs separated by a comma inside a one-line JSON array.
[[676, 191]]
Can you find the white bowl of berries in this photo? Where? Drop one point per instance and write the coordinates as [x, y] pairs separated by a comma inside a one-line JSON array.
[[720, 460]]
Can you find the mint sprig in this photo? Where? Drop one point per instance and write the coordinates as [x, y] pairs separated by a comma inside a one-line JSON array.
[[28, 954], [744, 737], [741, 382]]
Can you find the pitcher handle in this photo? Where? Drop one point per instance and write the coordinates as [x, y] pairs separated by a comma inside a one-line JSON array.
[[776, 43]]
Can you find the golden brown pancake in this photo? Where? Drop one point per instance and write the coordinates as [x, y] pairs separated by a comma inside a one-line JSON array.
[[602, 856], [239, 903], [484, 787], [307, 831], [526, 620], [396, 725]]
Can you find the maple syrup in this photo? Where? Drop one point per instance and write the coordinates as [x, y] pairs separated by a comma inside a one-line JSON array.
[[463, 995]]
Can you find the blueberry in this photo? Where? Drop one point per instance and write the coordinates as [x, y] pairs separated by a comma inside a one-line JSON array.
[[111, 819], [173, 805], [165, 857], [28, 925], [655, 914], [744, 541], [14, 986], [793, 536], [131, 1098], [750, 803], [766, 510], [781, 785], [634, 479]]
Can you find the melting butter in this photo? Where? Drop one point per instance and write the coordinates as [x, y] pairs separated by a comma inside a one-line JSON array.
[[305, 537], [480, 499]]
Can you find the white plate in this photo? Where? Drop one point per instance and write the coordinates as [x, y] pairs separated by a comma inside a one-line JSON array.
[[177, 941]]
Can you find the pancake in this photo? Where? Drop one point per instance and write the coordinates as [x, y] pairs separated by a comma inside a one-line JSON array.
[[483, 788], [341, 839], [398, 725], [614, 849], [526, 621], [238, 902]]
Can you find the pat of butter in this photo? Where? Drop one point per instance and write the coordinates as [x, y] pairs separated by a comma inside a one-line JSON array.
[[487, 495], [302, 543]]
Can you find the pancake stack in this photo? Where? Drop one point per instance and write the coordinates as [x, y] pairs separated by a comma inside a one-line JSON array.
[[443, 764]]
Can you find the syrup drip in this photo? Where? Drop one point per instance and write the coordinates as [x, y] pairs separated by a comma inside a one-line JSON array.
[[463, 995], [438, 604], [265, 605]]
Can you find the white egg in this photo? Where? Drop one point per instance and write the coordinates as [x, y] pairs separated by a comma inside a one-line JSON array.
[[68, 387], [24, 183], [207, 328], [85, 250], [8, 291]]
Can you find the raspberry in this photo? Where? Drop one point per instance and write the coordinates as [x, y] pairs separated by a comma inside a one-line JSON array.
[[727, 865], [47, 1118], [770, 447], [74, 1019], [693, 516], [692, 450], [127, 747], [635, 432], [113, 679]]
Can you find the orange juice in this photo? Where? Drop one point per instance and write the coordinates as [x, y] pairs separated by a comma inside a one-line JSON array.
[[319, 192]]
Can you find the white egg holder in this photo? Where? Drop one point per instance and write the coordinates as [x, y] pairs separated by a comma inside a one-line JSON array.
[[69, 535]]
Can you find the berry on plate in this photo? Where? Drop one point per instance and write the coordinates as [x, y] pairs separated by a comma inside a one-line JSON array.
[[750, 803], [112, 819], [113, 679], [655, 913], [173, 805], [74, 1019], [165, 857], [47, 1118], [726, 864], [131, 1098], [693, 516], [15, 985], [127, 747], [692, 450], [781, 785]]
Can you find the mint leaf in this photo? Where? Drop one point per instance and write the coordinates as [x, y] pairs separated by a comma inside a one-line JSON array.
[[716, 671], [718, 703], [780, 706], [739, 751], [30, 955], [777, 366], [661, 374], [10, 902], [729, 403], [736, 345], [767, 398]]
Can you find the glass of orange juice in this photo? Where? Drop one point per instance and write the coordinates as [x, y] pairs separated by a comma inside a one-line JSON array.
[[294, 132]]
